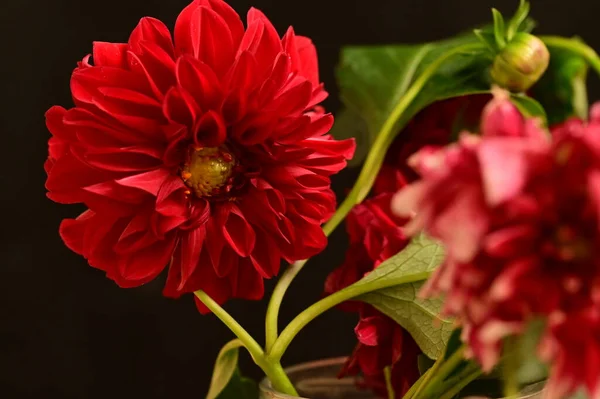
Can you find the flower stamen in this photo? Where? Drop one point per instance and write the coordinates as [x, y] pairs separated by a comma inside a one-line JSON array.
[[208, 172]]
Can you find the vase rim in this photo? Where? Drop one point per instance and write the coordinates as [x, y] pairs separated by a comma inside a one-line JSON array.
[[530, 391], [266, 385]]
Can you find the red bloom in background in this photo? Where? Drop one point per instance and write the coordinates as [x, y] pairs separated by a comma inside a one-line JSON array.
[[207, 151], [437, 125], [519, 214], [375, 236]]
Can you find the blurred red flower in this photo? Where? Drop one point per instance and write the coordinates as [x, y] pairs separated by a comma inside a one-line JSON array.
[[207, 151], [518, 211]]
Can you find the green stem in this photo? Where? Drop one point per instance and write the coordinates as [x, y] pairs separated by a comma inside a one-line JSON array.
[[271, 321], [364, 182], [272, 369], [462, 380], [312, 312], [443, 371], [279, 379], [411, 391], [430, 373], [575, 46], [253, 347], [389, 386], [510, 368]]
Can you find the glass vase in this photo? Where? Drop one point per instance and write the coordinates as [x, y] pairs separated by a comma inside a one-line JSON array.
[[318, 380]]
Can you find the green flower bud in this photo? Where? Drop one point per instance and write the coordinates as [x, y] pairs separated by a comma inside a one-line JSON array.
[[520, 63]]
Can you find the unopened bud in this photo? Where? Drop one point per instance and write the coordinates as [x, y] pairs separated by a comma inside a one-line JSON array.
[[521, 63]]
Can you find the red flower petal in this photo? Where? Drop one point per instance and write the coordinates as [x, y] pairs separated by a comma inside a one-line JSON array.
[[110, 54], [265, 257], [145, 264], [261, 41], [247, 283], [187, 253], [180, 107], [72, 231], [210, 130], [156, 64], [368, 330], [304, 55], [200, 81], [150, 182], [171, 199], [237, 231], [151, 30]]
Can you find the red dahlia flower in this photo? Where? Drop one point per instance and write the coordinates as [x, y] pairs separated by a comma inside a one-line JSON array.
[[207, 152], [519, 214]]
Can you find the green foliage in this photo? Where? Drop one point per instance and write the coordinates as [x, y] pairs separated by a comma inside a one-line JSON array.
[[422, 256], [373, 79], [562, 89], [529, 107], [227, 382], [239, 387], [420, 317]]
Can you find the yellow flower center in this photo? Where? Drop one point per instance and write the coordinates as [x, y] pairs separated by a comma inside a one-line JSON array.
[[208, 171]]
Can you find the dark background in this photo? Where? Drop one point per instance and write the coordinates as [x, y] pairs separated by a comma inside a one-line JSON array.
[[68, 332]]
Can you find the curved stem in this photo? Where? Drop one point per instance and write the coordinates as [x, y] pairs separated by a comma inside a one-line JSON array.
[[271, 321], [272, 369], [389, 386], [386, 135], [364, 182], [443, 371], [279, 379], [249, 343], [413, 389], [428, 375], [510, 368], [461, 382], [575, 46], [312, 312]]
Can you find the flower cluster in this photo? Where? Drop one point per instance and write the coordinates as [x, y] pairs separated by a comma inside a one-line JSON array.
[[518, 211], [205, 150], [375, 235]]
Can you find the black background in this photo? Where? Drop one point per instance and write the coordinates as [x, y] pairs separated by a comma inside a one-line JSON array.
[[68, 332]]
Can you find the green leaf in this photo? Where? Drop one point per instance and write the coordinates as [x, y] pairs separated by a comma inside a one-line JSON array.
[[421, 257], [225, 368], [562, 89], [518, 19], [420, 317], [499, 29], [373, 79], [529, 107], [488, 39], [239, 388]]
